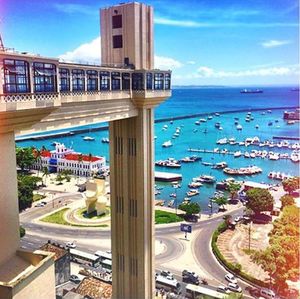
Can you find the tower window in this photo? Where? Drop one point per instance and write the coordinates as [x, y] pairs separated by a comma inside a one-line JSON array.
[[117, 21], [117, 41]]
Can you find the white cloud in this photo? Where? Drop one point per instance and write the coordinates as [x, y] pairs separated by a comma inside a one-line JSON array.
[[161, 62], [274, 43], [85, 53], [192, 62], [212, 24], [74, 8], [91, 53], [206, 72]]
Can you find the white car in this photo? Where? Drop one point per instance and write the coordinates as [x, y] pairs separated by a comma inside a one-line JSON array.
[[41, 204], [234, 287], [70, 245], [231, 278], [223, 289]]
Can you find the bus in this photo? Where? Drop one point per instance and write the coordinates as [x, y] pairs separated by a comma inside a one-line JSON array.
[[105, 259], [82, 257], [168, 284], [198, 292], [106, 265]]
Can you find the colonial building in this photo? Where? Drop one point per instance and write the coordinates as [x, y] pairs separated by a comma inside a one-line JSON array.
[[63, 158]]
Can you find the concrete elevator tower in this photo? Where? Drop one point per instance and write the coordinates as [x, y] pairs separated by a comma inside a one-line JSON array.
[[127, 38]]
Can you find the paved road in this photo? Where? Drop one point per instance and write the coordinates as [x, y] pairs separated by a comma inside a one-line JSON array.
[[93, 239]]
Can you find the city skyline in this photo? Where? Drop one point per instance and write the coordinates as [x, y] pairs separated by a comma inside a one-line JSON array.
[[226, 43]]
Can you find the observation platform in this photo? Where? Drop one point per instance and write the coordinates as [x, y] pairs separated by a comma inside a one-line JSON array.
[[47, 94]]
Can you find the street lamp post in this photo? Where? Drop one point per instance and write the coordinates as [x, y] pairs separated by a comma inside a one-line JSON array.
[[249, 234]]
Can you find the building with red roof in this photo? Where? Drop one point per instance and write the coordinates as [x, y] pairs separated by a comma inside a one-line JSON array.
[[63, 158]]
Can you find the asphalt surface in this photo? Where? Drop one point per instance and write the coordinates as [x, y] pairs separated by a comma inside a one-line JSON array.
[[37, 235]]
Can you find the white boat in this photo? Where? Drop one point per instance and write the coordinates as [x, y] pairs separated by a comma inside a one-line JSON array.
[[222, 141], [237, 154], [209, 117], [195, 185], [220, 128], [105, 140], [167, 144], [206, 179], [239, 127], [197, 122], [246, 155], [257, 126], [88, 138], [202, 120], [217, 114], [192, 192]]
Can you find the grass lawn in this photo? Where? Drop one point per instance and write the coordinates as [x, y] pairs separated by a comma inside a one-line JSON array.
[[58, 218], [37, 197], [93, 216], [166, 217]]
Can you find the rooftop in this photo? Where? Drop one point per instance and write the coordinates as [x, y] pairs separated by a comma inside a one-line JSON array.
[[56, 249], [94, 288]]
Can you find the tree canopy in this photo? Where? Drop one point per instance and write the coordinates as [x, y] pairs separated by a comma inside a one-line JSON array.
[[221, 201], [25, 157], [26, 185], [190, 208], [287, 200], [233, 188], [259, 200], [281, 258], [291, 184]]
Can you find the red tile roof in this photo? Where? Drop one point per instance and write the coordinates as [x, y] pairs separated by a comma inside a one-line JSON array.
[[86, 158], [95, 288], [46, 154]]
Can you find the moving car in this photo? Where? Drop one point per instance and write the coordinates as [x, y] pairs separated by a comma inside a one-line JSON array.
[[223, 289], [75, 278], [166, 273], [190, 277], [231, 278], [234, 287], [41, 204], [71, 245]]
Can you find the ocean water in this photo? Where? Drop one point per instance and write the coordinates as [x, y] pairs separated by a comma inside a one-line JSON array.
[[185, 102]]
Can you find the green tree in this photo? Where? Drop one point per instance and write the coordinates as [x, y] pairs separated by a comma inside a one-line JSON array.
[[281, 258], [46, 173], [22, 231], [80, 159], [221, 201], [190, 208], [233, 189], [26, 185], [287, 200], [66, 174], [24, 157], [291, 184], [37, 157], [59, 178], [259, 200]]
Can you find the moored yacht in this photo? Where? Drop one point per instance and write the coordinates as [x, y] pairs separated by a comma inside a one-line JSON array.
[[167, 144]]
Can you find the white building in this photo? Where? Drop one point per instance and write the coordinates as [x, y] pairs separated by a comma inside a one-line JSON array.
[[63, 158]]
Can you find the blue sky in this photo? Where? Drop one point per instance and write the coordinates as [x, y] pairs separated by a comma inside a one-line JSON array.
[[228, 42]]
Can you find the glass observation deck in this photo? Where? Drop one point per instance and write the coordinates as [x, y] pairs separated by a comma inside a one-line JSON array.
[[31, 81]]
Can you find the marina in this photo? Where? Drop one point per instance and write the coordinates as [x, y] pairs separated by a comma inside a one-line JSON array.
[[200, 140]]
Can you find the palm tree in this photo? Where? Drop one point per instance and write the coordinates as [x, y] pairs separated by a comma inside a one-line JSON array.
[[80, 159], [45, 173], [90, 160], [38, 159]]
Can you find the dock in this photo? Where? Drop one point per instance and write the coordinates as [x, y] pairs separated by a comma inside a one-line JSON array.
[[167, 176], [287, 137]]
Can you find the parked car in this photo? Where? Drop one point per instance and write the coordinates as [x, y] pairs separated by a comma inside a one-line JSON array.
[[190, 277], [234, 287], [223, 289], [238, 218], [71, 245], [75, 278], [231, 278]]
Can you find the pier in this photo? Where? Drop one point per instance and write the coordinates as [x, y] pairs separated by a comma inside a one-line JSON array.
[[167, 176], [287, 137]]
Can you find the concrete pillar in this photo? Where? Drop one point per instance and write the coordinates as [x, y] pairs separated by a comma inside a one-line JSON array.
[[132, 205], [9, 227]]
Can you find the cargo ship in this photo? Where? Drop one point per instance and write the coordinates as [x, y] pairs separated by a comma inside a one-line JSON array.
[[251, 91]]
